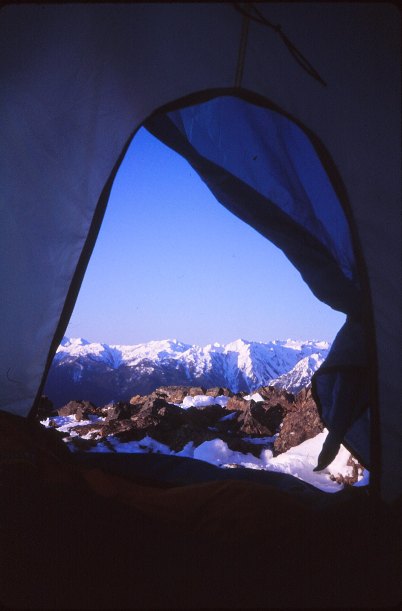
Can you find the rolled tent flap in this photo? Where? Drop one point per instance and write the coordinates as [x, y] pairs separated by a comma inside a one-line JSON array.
[[264, 169], [341, 390]]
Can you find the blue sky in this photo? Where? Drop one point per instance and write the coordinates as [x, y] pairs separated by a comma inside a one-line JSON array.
[[171, 262]]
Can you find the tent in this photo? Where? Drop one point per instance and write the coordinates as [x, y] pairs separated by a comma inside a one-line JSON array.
[[290, 112]]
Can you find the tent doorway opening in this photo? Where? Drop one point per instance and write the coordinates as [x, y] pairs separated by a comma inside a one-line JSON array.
[[177, 259]]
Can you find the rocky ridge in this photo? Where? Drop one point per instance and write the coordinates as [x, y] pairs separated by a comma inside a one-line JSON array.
[[280, 418]]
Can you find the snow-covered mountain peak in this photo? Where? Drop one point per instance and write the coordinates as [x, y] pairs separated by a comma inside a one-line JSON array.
[[74, 341], [215, 347], [240, 365], [169, 346], [153, 350], [239, 345], [300, 375], [293, 344]]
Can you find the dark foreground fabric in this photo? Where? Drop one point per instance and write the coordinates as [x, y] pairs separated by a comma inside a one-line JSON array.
[[83, 538], [167, 471]]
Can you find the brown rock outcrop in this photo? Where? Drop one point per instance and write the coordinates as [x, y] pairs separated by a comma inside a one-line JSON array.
[[172, 394], [119, 411], [137, 400], [80, 409], [237, 404], [274, 396], [301, 422], [156, 415]]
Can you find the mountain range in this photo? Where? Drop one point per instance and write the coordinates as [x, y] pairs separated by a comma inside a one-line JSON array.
[[102, 373]]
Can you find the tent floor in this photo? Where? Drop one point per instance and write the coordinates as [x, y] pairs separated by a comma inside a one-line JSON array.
[[169, 471], [90, 534]]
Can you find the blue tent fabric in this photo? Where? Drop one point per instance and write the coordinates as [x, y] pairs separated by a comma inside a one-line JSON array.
[[313, 253], [264, 169], [343, 401], [341, 390], [271, 154]]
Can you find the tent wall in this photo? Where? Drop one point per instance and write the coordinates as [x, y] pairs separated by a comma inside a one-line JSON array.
[[78, 80]]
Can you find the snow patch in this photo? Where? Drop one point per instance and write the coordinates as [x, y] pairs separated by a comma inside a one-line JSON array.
[[204, 401], [64, 424], [216, 452], [255, 397]]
